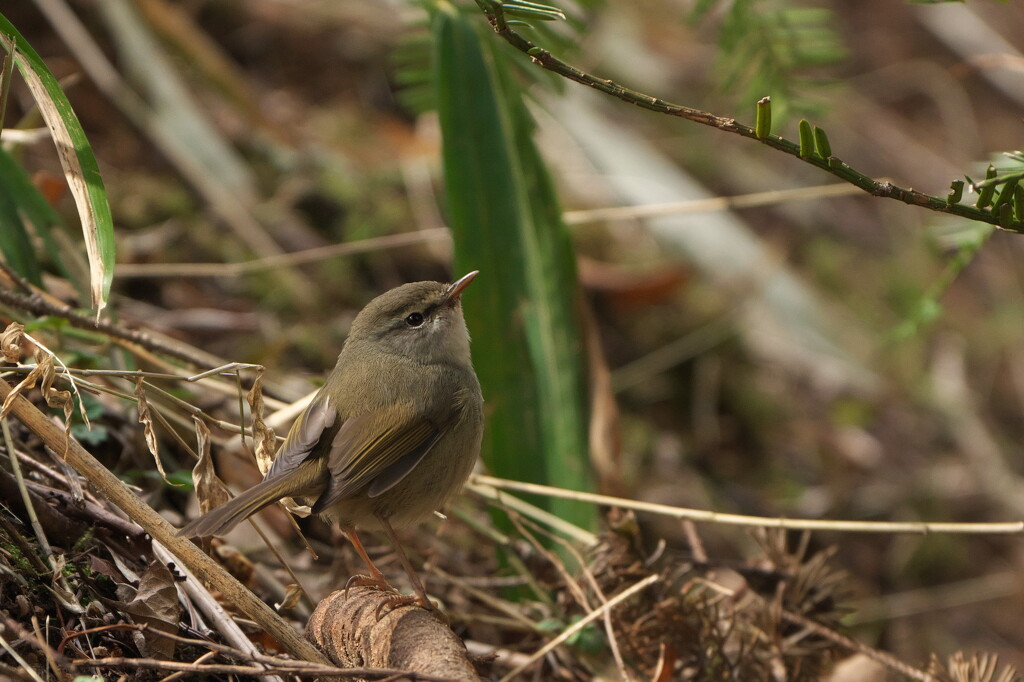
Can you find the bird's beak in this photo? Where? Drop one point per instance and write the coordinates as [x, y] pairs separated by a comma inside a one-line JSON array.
[[451, 297]]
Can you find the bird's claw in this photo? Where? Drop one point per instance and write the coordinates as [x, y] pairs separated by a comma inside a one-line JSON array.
[[398, 601], [378, 581]]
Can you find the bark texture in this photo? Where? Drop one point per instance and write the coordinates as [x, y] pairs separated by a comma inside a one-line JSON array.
[[406, 638]]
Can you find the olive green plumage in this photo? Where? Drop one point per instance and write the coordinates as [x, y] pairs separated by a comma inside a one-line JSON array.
[[395, 430]]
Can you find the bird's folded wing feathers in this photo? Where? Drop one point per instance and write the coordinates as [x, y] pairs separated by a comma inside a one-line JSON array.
[[377, 449], [305, 433]]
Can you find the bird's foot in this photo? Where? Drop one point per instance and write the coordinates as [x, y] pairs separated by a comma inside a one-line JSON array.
[[373, 580], [401, 600], [379, 582]]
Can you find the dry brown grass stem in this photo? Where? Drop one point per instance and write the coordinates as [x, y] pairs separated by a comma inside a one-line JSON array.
[[582, 623], [484, 485]]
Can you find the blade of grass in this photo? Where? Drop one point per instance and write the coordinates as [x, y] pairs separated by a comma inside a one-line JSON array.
[[14, 240], [31, 206], [506, 222], [6, 76], [80, 167]]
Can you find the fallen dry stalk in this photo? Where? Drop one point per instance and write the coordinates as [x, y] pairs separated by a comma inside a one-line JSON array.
[[112, 488], [487, 485], [582, 623]]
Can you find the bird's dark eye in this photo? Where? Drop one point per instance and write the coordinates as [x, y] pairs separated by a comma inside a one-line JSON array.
[[414, 320]]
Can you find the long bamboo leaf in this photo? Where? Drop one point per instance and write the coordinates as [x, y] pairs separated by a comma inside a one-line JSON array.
[[506, 222], [76, 156], [16, 205], [33, 208]]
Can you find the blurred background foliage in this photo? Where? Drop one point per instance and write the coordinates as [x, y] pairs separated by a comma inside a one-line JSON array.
[[836, 356]]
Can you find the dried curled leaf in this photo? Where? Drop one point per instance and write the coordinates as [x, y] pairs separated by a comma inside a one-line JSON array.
[[25, 384], [263, 436], [292, 595], [266, 441], [45, 369], [146, 419], [210, 490], [58, 586], [156, 605], [55, 397], [10, 342]]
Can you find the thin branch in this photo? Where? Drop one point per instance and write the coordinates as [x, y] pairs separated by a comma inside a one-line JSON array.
[[209, 605], [39, 306], [284, 667], [319, 253], [393, 241], [26, 499], [827, 162], [189, 554], [19, 660], [485, 487], [882, 657]]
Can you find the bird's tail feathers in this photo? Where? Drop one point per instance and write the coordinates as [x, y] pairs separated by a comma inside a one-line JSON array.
[[225, 517]]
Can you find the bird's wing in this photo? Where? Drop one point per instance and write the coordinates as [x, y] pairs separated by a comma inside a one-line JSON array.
[[307, 430], [377, 449]]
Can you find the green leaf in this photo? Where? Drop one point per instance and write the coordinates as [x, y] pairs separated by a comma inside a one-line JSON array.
[[95, 436], [33, 207], [15, 243], [766, 47], [77, 158], [523, 310], [532, 10]]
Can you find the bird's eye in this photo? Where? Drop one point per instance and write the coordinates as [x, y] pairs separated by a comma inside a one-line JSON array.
[[414, 320]]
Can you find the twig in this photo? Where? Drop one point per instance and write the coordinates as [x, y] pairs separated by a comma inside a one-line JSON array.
[[65, 373], [613, 642], [75, 634], [1003, 585], [570, 585], [60, 363], [286, 259], [14, 672], [393, 241], [26, 499], [201, 661], [284, 667], [88, 511], [21, 661], [118, 493], [37, 305], [276, 664], [752, 200], [494, 12], [486, 598], [484, 487], [882, 657], [489, 486], [37, 641], [210, 606], [582, 623]]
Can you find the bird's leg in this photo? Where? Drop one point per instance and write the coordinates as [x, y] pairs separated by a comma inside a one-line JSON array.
[[376, 578], [414, 578]]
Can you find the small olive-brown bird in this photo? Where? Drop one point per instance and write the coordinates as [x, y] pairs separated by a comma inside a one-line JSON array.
[[394, 432]]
